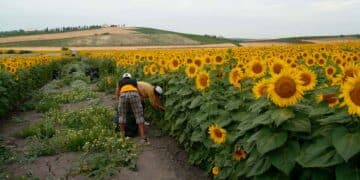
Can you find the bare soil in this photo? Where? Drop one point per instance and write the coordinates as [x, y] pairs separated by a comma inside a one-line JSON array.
[[111, 30]]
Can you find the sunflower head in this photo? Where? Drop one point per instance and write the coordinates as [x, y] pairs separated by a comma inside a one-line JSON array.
[[321, 62], [308, 79], [235, 77], [277, 66], [256, 69], [207, 60], [153, 69], [350, 70], [219, 60], [189, 61], [198, 62], [202, 80], [330, 71], [146, 69], [239, 154], [310, 61], [215, 170], [260, 88], [217, 134], [331, 99], [350, 91], [191, 70], [286, 88], [174, 64]]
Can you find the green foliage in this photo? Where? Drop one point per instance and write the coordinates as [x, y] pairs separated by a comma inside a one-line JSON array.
[[17, 87], [6, 155], [107, 84]]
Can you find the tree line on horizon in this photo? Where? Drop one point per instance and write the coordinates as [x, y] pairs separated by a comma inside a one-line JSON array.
[[48, 30]]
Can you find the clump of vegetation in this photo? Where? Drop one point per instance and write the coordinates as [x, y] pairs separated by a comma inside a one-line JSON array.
[[64, 48], [88, 130], [10, 51], [54, 100]]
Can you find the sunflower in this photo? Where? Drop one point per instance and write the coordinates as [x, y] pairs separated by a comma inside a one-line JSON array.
[[219, 60], [321, 62], [207, 60], [260, 88], [330, 71], [239, 154], [308, 79], [199, 63], [331, 99], [277, 66], [174, 64], [235, 77], [350, 70], [189, 61], [162, 71], [153, 69], [217, 134], [215, 170], [146, 70], [310, 61], [350, 91], [256, 69], [191, 70], [285, 89], [202, 80]]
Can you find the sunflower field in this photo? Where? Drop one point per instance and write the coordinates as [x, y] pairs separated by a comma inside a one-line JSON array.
[[20, 75], [276, 112], [281, 112]]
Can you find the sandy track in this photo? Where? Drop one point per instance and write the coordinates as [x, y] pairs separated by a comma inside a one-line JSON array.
[[111, 30], [332, 40], [222, 45]]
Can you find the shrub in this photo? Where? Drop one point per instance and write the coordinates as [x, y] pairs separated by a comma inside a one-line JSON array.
[[10, 51], [64, 48]]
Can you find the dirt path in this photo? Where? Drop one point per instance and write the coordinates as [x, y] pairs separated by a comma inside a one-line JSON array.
[[162, 159]]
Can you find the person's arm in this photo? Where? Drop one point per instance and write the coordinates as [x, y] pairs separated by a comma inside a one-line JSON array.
[[118, 86], [155, 102], [158, 104], [117, 91]]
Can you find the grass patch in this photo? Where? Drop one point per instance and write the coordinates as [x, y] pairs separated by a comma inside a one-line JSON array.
[[203, 39]]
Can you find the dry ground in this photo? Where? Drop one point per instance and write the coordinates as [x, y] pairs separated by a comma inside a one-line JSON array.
[[111, 30]]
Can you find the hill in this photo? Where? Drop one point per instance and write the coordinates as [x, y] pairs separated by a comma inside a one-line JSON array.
[[111, 36]]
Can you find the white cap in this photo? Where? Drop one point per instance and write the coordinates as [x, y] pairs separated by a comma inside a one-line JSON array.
[[158, 89], [126, 75]]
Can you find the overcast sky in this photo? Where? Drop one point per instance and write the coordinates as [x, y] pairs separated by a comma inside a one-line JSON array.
[[230, 18]]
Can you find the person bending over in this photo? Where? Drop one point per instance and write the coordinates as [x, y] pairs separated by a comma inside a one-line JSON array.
[[151, 92], [129, 97]]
